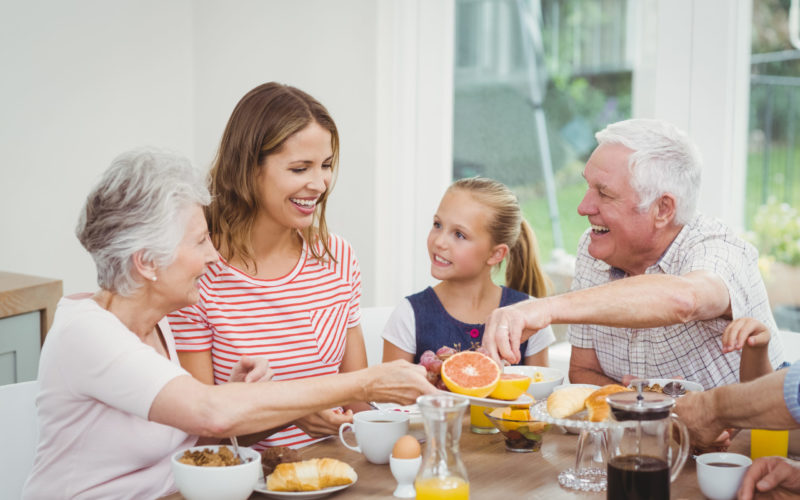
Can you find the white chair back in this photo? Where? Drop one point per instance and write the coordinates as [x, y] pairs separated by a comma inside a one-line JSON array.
[[373, 319], [791, 345], [19, 425]]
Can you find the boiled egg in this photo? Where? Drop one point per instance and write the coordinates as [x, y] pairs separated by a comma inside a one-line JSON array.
[[406, 447]]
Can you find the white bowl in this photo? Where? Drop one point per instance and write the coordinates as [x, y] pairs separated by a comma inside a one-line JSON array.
[[539, 390], [234, 482]]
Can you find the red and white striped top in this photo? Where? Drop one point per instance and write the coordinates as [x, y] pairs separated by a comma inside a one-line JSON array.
[[299, 321]]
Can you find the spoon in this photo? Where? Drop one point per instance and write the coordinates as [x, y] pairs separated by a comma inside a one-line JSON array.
[[674, 389], [235, 443]]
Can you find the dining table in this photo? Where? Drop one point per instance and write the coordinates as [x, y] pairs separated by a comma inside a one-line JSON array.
[[493, 471]]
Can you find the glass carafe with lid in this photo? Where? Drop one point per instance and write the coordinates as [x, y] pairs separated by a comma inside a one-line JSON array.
[[442, 474], [640, 446]]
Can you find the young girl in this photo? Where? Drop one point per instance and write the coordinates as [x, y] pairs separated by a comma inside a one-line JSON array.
[[284, 287], [478, 224]]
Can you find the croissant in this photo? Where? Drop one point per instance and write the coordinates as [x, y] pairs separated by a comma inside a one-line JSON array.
[[568, 401], [597, 405], [310, 475]]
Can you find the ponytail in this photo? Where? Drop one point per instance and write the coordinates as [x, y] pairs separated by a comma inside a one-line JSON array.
[[523, 269]]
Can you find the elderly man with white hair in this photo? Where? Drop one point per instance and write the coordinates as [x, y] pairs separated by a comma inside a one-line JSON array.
[[656, 283]]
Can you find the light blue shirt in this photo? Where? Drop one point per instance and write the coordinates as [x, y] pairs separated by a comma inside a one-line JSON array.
[[791, 390]]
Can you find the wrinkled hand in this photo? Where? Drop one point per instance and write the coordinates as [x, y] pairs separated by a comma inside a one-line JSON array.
[[397, 382], [742, 330], [506, 326], [325, 422], [251, 369], [777, 475], [694, 410]]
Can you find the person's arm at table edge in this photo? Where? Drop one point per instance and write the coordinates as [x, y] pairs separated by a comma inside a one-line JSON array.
[[761, 403]]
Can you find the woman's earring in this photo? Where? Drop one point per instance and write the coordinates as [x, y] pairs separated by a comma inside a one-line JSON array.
[[154, 278]]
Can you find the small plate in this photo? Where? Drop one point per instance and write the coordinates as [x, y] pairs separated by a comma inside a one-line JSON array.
[[687, 384], [414, 415], [525, 399], [261, 487]]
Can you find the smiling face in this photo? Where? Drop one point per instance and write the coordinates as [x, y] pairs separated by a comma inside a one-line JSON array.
[[459, 244], [178, 283], [621, 236], [292, 180]]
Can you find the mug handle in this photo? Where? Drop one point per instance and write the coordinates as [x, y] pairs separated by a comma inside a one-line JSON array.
[[344, 427], [683, 452]]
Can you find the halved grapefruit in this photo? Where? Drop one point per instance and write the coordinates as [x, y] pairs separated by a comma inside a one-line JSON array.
[[511, 386], [470, 373]]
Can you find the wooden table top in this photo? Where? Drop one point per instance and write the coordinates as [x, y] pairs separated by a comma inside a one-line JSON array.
[[493, 471]]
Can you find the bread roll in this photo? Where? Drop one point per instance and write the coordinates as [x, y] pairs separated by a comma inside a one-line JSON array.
[[310, 475], [567, 401], [597, 405]]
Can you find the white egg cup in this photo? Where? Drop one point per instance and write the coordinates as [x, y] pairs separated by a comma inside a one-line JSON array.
[[405, 471]]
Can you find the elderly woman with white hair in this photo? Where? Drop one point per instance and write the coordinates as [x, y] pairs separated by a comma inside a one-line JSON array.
[[115, 403]]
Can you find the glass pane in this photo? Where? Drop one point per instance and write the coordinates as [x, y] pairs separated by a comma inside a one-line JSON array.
[[533, 82], [773, 166]]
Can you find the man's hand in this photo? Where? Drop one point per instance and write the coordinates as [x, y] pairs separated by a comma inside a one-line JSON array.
[[507, 327], [250, 369], [697, 412], [776, 475], [324, 423]]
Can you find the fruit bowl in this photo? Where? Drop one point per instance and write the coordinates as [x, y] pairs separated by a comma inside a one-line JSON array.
[[548, 378], [522, 433]]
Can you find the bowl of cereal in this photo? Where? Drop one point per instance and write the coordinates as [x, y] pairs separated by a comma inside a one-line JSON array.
[[543, 379], [213, 472]]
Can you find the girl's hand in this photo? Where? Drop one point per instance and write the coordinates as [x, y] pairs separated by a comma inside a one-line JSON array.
[[249, 369], [744, 331]]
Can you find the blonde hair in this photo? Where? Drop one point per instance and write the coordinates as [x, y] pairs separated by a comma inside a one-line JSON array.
[[507, 226], [260, 124]]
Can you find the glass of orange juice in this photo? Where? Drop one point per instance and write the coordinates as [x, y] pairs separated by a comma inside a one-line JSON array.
[[764, 443], [442, 488], [479, 423]]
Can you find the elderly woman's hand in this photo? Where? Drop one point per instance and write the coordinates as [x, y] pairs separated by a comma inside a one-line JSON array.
[[249, 369], [398, 382]]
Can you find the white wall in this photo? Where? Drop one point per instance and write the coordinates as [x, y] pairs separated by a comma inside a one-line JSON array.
[[81, 82], [328, 49], [85, 80]]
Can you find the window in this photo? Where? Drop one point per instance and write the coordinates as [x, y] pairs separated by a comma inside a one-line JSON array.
[[533, 82]]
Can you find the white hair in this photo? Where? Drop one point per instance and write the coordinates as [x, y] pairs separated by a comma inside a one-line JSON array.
[[140, 204], [664, 160]]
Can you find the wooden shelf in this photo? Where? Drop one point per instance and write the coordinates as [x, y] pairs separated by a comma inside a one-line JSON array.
[[22, 293]]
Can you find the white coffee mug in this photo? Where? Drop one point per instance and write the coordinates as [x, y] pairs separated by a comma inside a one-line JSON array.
[[721, 474], [376, 432]]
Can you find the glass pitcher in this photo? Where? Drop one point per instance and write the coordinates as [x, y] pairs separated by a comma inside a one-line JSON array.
[[442, 474], [639, 446]]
